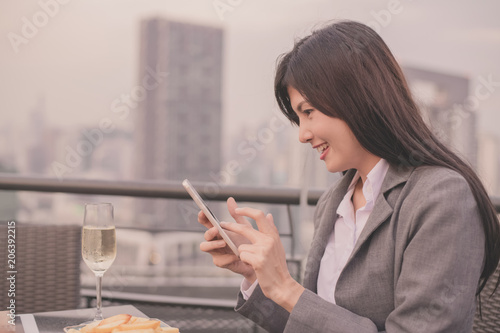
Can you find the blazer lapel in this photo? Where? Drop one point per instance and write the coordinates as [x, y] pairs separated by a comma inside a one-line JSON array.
[[383, 207], [327, 217], [381, 212]]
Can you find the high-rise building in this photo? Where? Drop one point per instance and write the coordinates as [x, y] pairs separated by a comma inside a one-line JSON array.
[[178, 124], [489, 162], [443, 100]]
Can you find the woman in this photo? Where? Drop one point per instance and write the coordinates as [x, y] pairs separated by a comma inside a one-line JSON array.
[[403, 242]]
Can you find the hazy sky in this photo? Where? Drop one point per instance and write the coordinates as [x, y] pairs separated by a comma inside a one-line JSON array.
[[86, 54]]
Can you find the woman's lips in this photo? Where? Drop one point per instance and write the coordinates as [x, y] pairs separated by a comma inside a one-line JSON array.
[[323, 154]]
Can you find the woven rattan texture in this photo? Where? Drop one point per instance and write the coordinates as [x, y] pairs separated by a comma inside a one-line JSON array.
[[490, 309], [47, 265]]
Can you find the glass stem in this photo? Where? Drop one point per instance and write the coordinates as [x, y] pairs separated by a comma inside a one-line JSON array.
[[98, 314]]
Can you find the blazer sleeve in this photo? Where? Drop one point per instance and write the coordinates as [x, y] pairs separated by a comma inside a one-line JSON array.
[[263, 311], [443, 257], [311, 314]]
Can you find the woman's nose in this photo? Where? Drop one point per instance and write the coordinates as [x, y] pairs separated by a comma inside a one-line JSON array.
[[305, 135]]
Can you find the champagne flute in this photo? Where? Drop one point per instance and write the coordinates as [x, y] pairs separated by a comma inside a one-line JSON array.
[[98, 243]]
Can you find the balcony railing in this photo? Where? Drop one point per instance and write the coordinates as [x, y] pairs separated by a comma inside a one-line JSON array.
[[164, 189], [156, 189], [169, 190]]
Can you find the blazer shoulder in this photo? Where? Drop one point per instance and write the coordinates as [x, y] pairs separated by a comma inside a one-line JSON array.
[[434, 185], [433, 175]]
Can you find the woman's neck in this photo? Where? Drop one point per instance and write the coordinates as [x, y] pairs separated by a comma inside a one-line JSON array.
[[368, 164]]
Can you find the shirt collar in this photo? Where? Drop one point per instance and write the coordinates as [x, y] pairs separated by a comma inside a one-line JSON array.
[[371, 188], [373, 183]]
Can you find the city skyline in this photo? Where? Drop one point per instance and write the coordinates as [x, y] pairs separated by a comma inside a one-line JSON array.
[[462, 47], [81, 89]]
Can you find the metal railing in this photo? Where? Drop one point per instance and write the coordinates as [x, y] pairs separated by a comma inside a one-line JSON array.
[[162, 189], [166, 190], [155, 189]]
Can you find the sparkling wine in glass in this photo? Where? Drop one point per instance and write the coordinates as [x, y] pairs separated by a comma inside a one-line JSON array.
[[98, 243]]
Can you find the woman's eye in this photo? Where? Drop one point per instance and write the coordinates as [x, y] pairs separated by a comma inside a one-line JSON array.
[[308, 111]]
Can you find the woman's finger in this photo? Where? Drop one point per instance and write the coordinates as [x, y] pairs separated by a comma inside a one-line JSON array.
[[203, 220], [246, 248], [251, 259], [212, 245], [265, 223], [212, 234], [225, 260], [244, 230], [231, 207]]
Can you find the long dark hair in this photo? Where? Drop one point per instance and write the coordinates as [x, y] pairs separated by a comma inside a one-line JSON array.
[[345, 70]]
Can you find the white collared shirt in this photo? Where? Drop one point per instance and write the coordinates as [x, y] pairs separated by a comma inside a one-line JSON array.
[[347, 229]]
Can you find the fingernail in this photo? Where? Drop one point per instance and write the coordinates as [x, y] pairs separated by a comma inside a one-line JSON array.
[[237, 210], [224, 224]]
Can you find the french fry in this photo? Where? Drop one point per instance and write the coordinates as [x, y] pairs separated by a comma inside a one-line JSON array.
[[150, 330], [140, 325], [124, 317], [145, 330], [89, 328], [139, 319], [124, 323], [107, 328], [167, 330]]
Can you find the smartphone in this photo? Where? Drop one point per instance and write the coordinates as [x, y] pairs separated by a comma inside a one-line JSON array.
[[211, 217]]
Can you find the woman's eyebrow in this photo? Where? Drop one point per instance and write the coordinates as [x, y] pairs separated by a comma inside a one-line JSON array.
[[299, 106]]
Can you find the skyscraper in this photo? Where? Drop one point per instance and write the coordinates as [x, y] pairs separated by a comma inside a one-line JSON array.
[[489, 162], [443, 100], [178, 123]]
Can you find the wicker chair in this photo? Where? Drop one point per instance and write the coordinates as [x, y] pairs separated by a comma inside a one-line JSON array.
[[48, 267], [490, 309]]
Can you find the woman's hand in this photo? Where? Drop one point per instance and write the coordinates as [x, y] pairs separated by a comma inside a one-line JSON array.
[[222, 255], [266, 255]]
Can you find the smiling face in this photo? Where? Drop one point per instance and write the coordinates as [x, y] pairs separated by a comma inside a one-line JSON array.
[[332, 137]]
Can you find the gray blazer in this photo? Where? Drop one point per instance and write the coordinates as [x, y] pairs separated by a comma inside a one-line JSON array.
[[414, 268]]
